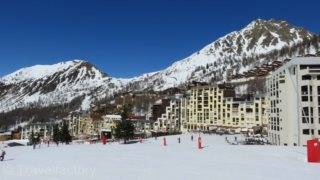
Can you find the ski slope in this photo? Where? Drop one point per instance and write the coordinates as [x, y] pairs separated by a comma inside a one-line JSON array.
[[152, 161]]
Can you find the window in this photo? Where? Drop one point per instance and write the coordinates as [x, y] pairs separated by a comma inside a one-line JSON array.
[[294, 70], [305, 111], [310, 88], [304, 90], [306, 77], [303, 67], [306, 119], [306, 131]]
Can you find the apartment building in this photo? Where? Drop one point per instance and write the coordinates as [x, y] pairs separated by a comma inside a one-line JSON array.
[[294, 96], [170, 119], [202, 106], [206, 107], [159, 108], [85, 127], [244, 114], [44, 129], [108, 124]]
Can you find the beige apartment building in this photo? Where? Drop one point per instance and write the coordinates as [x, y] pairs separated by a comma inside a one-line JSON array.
[[108, 124], [210, 106], [83, 127], [86, 127], [294, 96]]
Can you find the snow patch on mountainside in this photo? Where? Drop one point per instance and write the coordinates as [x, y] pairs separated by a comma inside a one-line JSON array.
[[36, 72], [86, 103]]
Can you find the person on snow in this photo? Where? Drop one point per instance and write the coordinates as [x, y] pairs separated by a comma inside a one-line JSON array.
[[227, 139], [191, 137], [179, 140], [3, 153]]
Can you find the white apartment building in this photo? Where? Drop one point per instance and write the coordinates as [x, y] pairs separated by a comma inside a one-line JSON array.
[[44, 129], [294, 96], [170, 120]]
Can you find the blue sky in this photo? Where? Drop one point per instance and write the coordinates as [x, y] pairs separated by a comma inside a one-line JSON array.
[[130, 37]]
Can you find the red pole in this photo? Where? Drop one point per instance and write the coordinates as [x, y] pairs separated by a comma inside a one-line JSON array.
[[199, 143], [104, 139]]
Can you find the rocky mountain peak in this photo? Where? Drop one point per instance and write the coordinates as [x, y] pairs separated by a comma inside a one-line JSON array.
[[259, 42]]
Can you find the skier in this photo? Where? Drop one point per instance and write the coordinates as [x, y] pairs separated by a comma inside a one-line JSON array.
[[235, 138], [3, 153], [191, 137], [179, 140]]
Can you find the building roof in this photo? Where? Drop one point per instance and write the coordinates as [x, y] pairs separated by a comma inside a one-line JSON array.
[[115, 116], [5, 134], [136, 118], [299, 61]]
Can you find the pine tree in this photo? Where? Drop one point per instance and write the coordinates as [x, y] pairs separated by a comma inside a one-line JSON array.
[[32, 138], [125, 128], [65, 134], [37, 138], [56, 134]]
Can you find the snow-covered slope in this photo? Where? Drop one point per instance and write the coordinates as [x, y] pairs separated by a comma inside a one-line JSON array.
[[44, 85], [151, 160], [260, 37]]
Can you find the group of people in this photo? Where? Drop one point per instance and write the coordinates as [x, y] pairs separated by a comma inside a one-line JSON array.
[[179, 139], [235, 142]]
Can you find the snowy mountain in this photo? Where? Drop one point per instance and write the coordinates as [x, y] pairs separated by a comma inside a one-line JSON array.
[[259, 42], [44, 85], [236, 51]]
